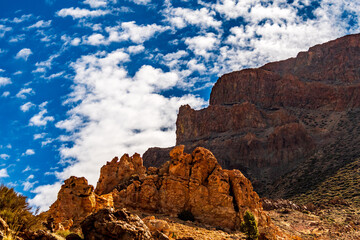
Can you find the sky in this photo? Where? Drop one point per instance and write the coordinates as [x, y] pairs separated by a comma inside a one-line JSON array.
[[84, 81]]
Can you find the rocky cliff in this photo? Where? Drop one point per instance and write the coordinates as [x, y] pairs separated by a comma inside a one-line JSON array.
[[191, 184], [287, 125]]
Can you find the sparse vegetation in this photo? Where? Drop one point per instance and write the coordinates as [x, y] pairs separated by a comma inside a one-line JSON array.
[[249, 226], [16, 211]]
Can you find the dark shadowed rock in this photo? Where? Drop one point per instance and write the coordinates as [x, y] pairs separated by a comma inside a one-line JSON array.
[[73, 236], [38, 235], [110, 224]]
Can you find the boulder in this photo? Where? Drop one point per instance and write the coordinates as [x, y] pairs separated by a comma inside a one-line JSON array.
[[76, 200], [117, 225]]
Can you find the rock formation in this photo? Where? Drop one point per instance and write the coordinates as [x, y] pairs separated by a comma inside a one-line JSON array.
[[284, 125], [76, 200], [189, 183], [114, 225]]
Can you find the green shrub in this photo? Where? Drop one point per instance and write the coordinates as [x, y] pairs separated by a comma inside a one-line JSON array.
[[15, 210], [63, 233], [249, 226]]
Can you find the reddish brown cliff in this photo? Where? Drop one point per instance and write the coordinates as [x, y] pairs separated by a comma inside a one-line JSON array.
[[269, 121]]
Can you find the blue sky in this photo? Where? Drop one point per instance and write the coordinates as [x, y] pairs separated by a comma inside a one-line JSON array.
[[84, 81]]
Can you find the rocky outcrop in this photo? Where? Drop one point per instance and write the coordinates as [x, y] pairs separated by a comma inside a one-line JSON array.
[[116, 225], [193, 184], [285, 120], [116, 172], [76, 200]]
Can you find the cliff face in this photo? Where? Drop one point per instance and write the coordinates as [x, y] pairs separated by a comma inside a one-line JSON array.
[[284, 122], [193, 183]]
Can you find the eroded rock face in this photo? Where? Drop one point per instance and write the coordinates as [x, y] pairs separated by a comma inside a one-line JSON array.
[[117, 225], [195, 183], [115, 172], [269, 121], [76, 200]]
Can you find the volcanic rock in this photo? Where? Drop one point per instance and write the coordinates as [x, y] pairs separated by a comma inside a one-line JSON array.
[[115, 172], [195, 183], [117, 225], [76, 200], [287, 125]]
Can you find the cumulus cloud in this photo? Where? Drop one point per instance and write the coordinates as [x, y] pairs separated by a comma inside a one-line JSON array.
[[45, 196], [109, 101], [141, 2], [202, 45], [3, 30], [3, 173], [127, 31], [29, 185], [5, 94], [4, 156], [25, 107], [41, 24], [29, 152], [24, 92], [40, 119], [77, 13], [24, 54], [4, 81], [97, 3], [39, 136], [182, 17]]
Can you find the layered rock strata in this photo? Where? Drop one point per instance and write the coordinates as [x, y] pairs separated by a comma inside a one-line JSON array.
[[281, 124]]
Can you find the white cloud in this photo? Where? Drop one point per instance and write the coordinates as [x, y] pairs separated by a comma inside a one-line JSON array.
[[4, 156], [141, 2], [23, 18], [24, 54], [39, 136], [28, 168], [96, 3], [28, 152], [4, 81], [202, 45], [3, 30], [127, 31], [110, 101], [135, 49], [182, 17], [41, 24], [29, 185], [25, 107], [40, 120], [30, 177], [45, 196], [3, 173], [24, 92], [5, 94], [81, 13]]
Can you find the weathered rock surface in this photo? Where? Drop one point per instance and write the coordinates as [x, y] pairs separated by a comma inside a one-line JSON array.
[[76, 200], [287, 125], [117, 225], [38, 235], [195, 183], [116, 172]]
